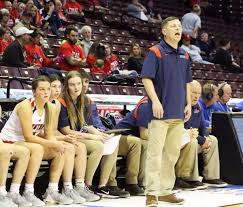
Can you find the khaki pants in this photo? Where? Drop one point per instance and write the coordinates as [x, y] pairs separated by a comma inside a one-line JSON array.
[[141, 174], [95, 150], [163, 151], [129, 146], [187, 165]]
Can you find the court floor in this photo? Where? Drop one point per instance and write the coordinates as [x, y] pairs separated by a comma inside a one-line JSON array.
[[213, 197]]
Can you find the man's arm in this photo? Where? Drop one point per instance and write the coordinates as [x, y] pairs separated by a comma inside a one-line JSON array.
[[156, 105], [188, 107]]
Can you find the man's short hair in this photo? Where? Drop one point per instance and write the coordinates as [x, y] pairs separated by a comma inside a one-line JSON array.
[[196, 9], [168, 19], [84, 74], [69, 29], [207, 91], [224, 42]]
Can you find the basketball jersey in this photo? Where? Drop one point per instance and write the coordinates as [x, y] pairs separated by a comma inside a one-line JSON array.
[[12, 130]]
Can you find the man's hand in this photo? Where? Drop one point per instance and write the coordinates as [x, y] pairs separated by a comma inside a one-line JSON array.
[[187, 112], [207, 144], [193, 133], [158, 111]]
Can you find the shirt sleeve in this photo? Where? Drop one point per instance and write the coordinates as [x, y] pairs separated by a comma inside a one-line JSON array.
[[142, 119], [65, 51], [198, 23], [95, 117], [189, 73], [63, 120], [150, 66]]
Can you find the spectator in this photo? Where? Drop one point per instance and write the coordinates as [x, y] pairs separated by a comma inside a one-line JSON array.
[[137, 10], [8, 6], [34, 54], [29, 5], [109, 63], [224, 58], [50, 17], [59, 9], [4, 18], [14, 13], [207, 102], [191, 22], [192, 50], [86, 43], [225, 93], [25, 21], [206, 45], [74, 10], [152, 14], [20, 9], [5, 40], [135, 61], [72, 54], [36, 17], [16, 49]]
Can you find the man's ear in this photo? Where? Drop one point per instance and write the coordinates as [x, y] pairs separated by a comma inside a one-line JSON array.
[[164, 32]]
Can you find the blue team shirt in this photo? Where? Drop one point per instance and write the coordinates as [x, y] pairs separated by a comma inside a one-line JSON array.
[[207, 112], [132, 123], [239, 105], [221, 107], [197, 121], [169, 74]]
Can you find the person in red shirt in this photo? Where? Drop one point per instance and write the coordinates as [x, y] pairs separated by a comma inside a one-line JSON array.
[[34, 53], [59, 9], [109, 63], [5, 40], [74, 10], [72, 54]]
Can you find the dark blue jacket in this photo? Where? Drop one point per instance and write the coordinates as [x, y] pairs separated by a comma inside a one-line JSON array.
[[197, 121]]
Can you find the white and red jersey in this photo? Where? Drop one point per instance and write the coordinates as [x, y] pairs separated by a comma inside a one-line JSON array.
[[12, 130]]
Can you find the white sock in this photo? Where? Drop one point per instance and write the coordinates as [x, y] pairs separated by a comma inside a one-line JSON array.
[[14, 188], [29, 188], [53, 186], [3, 191], [79, 183], [68, 185]]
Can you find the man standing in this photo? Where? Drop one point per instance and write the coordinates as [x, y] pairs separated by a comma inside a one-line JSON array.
[[191, 22], [166, 76], [200, 142], [71, 54], [225, 93]]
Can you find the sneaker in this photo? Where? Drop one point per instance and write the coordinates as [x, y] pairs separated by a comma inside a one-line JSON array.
[[199, 185], [117, 191], [172, 199], [86, 193], [106, 192], [134, 190], [19, 200], [54, 197], [6, 202], [30, 196], [151, 201], [180, 183], [74, 195], [215, 183]]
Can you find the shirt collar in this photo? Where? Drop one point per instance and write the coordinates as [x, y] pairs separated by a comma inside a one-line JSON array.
[[168, 49]]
